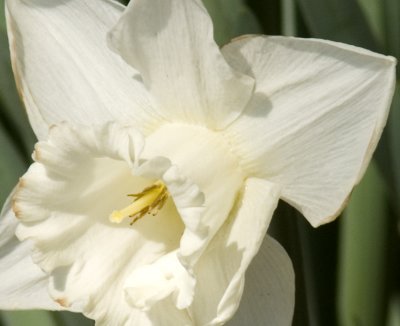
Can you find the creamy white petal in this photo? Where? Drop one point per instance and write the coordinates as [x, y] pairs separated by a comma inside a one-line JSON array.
[[205, 157], [221, 269], [109, 271], [315, 119], [64, 69], [23, 284], [269, 292], [64, 202], [171, 43], [149, 284]]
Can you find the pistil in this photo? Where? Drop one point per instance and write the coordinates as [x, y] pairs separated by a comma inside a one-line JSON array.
[[149, 201]]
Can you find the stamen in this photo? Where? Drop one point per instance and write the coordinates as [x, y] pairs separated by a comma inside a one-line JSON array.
[[150, 201]]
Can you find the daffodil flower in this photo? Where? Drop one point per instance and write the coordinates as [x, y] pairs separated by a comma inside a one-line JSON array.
[[161, 159]]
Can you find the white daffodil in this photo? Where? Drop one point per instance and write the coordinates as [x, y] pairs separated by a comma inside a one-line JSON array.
[[160, 162]]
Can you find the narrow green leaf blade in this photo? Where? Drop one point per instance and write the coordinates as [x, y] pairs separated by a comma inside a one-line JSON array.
[[337, 20], [27, 318], [231, 18], [363, 254], [394, 140], [394, 311], [12, 113], [392, 27], [289, 18], [12, 165], [66, 318], [373, 10]]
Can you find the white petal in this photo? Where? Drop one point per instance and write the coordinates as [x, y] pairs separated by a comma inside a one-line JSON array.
[[221, 269], [171, 44], [23, 284], [315, 119], [64, 202], [204, 157], [109, 270], [149, 284], [268, 297], [64, 69]]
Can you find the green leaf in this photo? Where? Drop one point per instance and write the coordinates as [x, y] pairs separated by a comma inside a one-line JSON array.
[[231, 18], [392, 28], [363, 254], [66, 318], [289, 20], [12, 166], [12, 114], [394, 311], [394, 141], [285, 228], [27, 318], [338, 20], [313, 253], [373, 10], [269, 15]]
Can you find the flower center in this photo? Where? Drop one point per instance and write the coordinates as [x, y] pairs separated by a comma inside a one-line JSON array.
[[149, 201]]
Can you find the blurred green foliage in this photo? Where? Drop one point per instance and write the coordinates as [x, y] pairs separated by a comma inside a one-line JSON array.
[[12, 114], [347, 273], [364, 254]]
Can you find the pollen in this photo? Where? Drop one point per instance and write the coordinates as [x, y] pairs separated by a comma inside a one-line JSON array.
[[150, 201]]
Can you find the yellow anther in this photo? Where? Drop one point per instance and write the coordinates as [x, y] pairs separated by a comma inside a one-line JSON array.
[[149, 201]]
